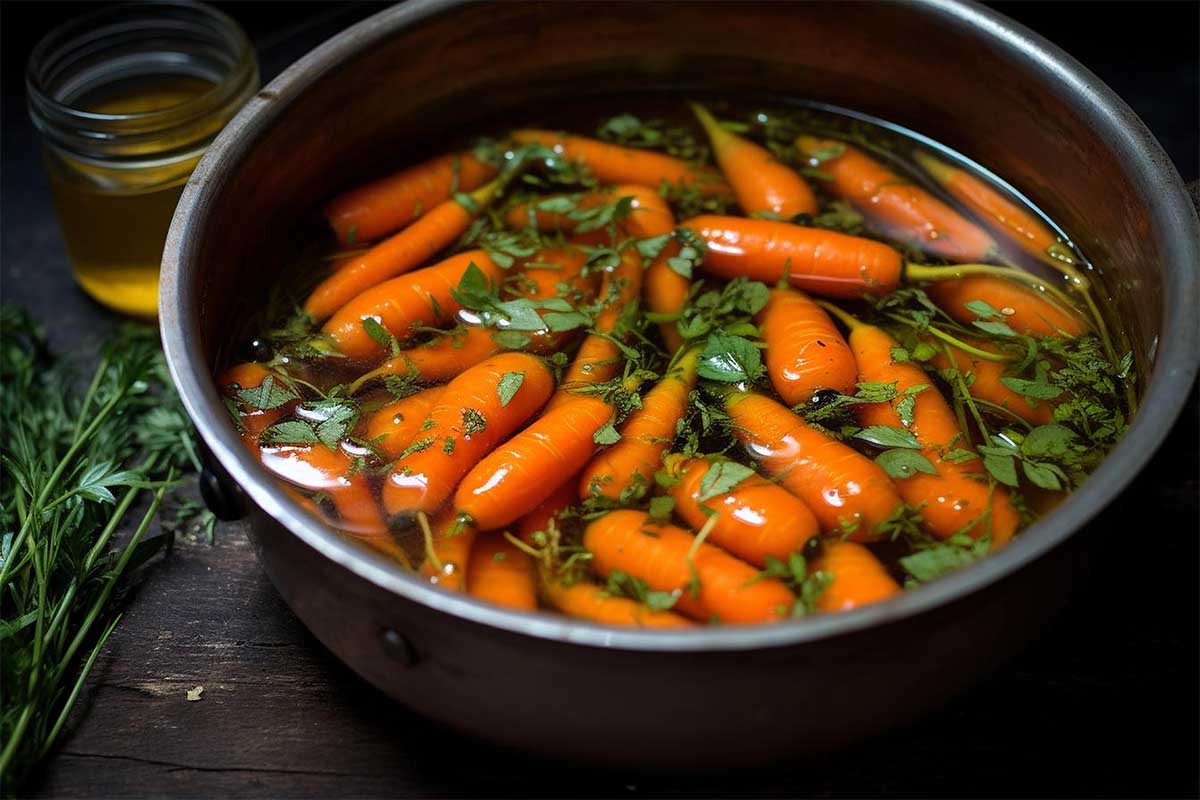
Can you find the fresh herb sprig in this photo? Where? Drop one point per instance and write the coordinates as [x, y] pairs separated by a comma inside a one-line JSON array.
[[79, 470]]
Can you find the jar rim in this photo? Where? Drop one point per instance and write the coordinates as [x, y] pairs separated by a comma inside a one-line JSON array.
[[92, 29]]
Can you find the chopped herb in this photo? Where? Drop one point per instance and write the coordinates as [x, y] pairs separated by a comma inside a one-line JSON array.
[[510, 383], [607, 434], [473, 421], [723, 477]]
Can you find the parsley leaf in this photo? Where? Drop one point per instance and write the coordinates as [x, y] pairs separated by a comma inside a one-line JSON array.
[[507, 388]]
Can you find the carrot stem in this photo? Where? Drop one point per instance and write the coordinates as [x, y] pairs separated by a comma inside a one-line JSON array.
[[430, 550], [924, 272], [846, 318], [953, 341]]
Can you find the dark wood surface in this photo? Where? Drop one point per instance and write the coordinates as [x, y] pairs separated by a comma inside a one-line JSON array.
[[1104, 705]]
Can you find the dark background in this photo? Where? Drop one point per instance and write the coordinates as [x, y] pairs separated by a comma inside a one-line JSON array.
[[1105, 705]]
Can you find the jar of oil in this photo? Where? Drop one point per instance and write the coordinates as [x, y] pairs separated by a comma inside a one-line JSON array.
[[127, 98]]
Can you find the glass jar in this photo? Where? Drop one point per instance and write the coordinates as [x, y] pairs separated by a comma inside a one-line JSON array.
[[127, 98]]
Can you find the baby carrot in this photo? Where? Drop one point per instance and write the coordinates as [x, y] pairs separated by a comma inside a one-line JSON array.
[[253, 420], [611, 163], [858, 577], [706, 581], [754, 519], [500, 573], [438, 360], [393, 427], [843, 488], [664, 291], [986, 384], [760, 181], [319, 469], [907, 211], [547, 512], [477, 410], [818, 261], [645, 435], [409, 248], [953, 500], [448, 546], [367, 212], [418, 299], [515, 477], [589, 601], [599, 359], [805, 352], [1019, 225], [553, 272], [1022, 308]]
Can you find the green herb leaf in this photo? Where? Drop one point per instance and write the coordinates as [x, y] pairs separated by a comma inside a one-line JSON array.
[[887, 436], [507, 388], [723, 477], [290, 432], [473, 421], [901, 463], [661, 507], [1002, 468], [730, 359], [608, 434], [940, 559]]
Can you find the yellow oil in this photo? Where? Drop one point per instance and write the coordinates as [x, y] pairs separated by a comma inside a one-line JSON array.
[[115, 218]]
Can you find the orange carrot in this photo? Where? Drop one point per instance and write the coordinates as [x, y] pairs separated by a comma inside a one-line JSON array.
[[500, 573], [1024, 310], [409, 248], [859, 578], [706, 581], [645, 436], [664, 291], [589, 601], [319, 469], [649, 214], [515, 477], [818, 261], [549, 510], [1019, 225], [805, 353], [440, 359], [599, 359], [543, 276], [253, 420], [447, 551], [842, 487], [986, 384], [470, 418], [953, 500], [906, 211], [418, 299], [754, 519], [611, 163], [760, 181], [393, 427], [377, 208]]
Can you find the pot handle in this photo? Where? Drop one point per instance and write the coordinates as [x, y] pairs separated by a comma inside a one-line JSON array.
[[224, 498]]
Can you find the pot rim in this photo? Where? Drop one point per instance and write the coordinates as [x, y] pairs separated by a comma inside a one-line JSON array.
[[1170, 382]]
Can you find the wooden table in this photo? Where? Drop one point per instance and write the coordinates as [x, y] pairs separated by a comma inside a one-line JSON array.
[[1103, 705]]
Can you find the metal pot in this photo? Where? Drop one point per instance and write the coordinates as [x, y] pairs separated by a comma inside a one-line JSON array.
[[398, 80]]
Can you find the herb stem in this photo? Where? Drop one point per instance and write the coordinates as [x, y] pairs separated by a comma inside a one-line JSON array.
[[953, 341], [52, 481]]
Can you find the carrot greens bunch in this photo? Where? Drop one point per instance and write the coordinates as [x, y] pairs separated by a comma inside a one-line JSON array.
[[85, 474]]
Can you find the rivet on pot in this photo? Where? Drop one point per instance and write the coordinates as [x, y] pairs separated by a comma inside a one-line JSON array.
[[397, 648]]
